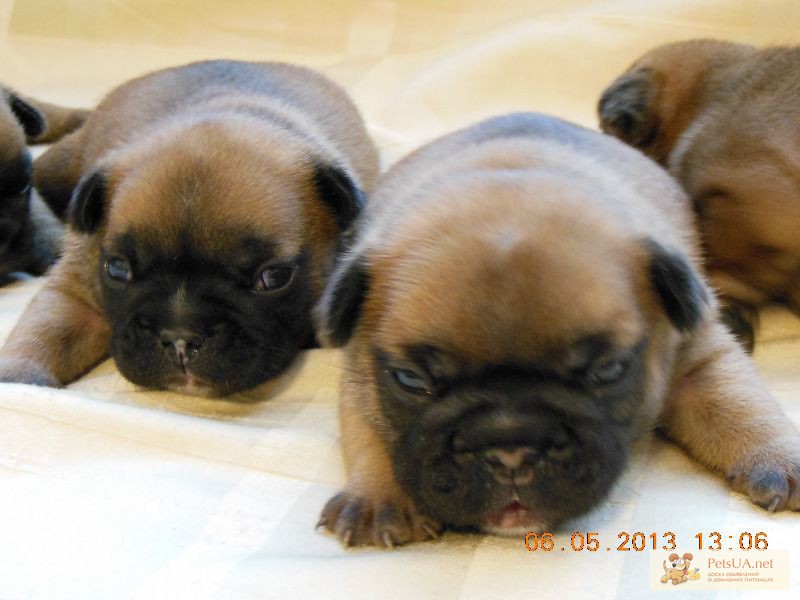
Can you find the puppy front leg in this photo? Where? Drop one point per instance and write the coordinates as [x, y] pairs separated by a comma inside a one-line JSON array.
[[372, 510], [720, 411], [60, 335]]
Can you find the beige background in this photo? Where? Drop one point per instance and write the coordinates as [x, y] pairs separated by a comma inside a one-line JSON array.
[[111, 492]]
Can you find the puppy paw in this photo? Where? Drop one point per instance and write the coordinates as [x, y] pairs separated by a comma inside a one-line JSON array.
[[384, 522], [20, 370], [770, 477]]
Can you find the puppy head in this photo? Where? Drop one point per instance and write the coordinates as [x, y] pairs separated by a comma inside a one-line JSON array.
[[507, 345], [752, 254], [18, 120], [654, 101], [738, 164], [213, 249]]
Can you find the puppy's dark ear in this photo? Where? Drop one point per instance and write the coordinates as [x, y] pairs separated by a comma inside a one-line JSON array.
[[88, 203], [680, 290], [627, 111], [340, 307], [339, 192], [33, 122]]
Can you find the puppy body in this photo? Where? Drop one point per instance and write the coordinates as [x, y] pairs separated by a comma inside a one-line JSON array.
[[723, 119], [30, 235], [215, 193], [521, 302]]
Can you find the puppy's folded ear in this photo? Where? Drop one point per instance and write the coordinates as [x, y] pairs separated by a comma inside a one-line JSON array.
[[87, 206], [626, 109], [339, 309], [339, 192], [680, 290], [33, 122]]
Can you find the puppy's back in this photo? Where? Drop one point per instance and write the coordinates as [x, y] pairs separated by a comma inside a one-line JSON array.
[[634, 188], [273, 91]]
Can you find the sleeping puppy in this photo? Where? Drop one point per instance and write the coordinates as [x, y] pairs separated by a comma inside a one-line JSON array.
[[30, 235], [522, 300], [206, 206], [725, 120]]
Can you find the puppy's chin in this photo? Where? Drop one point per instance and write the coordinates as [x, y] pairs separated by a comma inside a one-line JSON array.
[[156, 375], [191, 385], [514, 520]]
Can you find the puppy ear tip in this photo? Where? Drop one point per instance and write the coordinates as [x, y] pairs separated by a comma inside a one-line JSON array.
[[87, 205], [681, 291], [32, 120], [339, 310], [340, 192]]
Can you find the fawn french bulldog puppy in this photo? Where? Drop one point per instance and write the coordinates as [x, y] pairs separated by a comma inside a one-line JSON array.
[[205, 205], [724, 119], [523, 298], [30, 234]]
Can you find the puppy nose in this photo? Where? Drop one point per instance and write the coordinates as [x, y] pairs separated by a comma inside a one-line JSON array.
[[511, 465], [184, 342], [510, 458]]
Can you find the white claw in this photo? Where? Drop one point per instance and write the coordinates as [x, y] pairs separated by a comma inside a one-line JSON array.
[[429, 530], [346, 537], [387, 540], [774, 504]]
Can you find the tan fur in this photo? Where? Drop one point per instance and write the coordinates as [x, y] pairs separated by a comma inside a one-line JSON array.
[[503, 250], [244, 159], [727, 120]]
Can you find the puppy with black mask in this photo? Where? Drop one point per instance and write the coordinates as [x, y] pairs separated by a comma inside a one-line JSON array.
[[30, 234], [522, 300], [205, 204], [723, 119]]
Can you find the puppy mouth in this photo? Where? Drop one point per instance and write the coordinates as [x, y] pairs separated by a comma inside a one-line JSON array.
[[514, 519], [185, 382]]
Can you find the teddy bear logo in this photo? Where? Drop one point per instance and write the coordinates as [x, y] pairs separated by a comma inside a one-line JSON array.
[[676, 569]]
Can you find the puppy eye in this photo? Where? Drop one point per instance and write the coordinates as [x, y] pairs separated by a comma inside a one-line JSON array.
[[410, 381], [118, 269], [275, 278], [608, 372]]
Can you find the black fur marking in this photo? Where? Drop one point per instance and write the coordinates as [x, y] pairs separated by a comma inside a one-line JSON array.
[[578, 435], [624, 110], [682, 294], [87, 206], [339, 193], [32, 121], [16, 175], [249, 336], [742, 321], [17, 244], [344, 304]]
